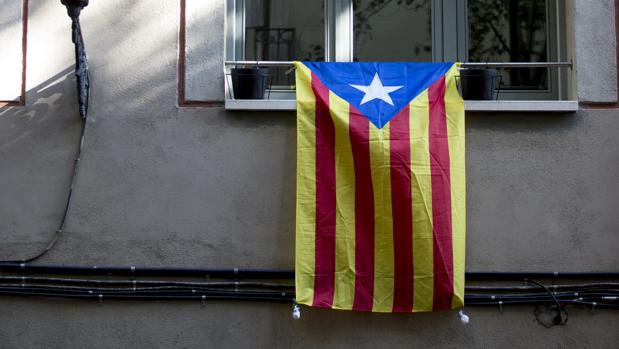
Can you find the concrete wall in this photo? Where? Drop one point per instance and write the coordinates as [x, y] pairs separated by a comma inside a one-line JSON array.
[[11, 58], [595, 46], [168, 186]]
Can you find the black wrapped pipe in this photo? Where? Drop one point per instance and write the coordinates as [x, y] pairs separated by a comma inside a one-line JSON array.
[[74, 8], [237, 273], [233, 273]]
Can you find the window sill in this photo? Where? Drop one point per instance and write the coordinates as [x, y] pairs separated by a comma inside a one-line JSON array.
[[472, 106]]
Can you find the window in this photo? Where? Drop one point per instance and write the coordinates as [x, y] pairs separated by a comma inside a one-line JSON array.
[[518, 31], [403, 30], [284, 30], [378, 28]]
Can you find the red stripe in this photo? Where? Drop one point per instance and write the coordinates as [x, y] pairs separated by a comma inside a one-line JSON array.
[[364, 211], [324, 279], [402, 210], [441, 197]]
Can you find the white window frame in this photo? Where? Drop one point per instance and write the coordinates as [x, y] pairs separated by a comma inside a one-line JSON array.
[[449, 41]]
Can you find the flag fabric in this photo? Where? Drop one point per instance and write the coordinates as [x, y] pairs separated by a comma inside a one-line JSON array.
[[380, 199]]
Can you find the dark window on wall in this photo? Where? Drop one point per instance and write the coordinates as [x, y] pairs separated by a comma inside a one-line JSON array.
[[405, 30], [514, 31], [392, 30], [284, 30]]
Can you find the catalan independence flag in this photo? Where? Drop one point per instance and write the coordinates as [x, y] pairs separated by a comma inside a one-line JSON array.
[[380, 186]]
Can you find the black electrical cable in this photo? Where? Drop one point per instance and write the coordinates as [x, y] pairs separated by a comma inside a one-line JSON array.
[[559, 318], [232, 273], [541, 302], [528, 288], [20, 292], [250, 295], [132, 283], [237, 273], [82, 75], [58, 233], [548, 291], [519, 276], [24, 282]]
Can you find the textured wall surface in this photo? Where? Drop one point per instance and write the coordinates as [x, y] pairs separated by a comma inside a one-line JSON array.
[[204, 78], [595, 50], [163, 186], [11, 57]]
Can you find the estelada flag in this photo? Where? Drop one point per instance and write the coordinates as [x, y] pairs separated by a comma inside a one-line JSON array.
[[380, 201]]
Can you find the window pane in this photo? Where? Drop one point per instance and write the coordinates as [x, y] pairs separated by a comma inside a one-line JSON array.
[[284, 30], [392, 30], [510, 31]]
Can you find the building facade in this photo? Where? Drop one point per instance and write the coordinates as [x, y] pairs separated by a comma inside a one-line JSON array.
[[175, 172]]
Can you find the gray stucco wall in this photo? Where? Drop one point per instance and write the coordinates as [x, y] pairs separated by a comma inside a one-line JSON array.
[[595, 50], [167, 186]]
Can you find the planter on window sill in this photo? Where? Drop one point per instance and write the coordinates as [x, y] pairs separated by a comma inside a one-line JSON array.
[[479, 84], [249, 83]]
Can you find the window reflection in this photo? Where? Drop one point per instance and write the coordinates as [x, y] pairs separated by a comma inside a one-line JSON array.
[[284, 30], [510, 31], [392, 30]]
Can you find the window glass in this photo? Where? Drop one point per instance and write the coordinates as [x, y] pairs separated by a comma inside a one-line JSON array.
[[392, 30], [284, 30], [510, 31]]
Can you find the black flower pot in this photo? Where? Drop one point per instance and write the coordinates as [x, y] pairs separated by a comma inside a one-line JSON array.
[[249, 83], [479, 84]]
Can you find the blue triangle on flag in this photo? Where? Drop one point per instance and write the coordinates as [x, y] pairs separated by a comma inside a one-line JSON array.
[[378, 90]]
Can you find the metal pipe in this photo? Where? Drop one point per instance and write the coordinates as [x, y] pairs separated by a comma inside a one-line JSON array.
[[141, 271], [266, 273], [463, 65], [516, 64], [504, 276], [260, 63]]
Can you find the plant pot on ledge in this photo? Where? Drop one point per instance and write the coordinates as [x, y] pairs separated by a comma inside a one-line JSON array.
[[249, 83], [479, 84]]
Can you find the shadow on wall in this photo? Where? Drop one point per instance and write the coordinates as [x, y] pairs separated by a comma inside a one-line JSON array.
[[158, 185], [37, 143], [26, 121]]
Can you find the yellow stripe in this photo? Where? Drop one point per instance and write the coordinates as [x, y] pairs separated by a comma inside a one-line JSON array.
[[306, 187], [383, 219], [454, 108], [345, 206], [421, 183]]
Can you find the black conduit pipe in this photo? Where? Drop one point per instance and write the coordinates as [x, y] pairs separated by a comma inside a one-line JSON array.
[[515, 276], [233, 273], [237, 273]]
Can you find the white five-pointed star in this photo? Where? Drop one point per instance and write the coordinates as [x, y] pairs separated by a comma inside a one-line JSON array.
[[376, 90]]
